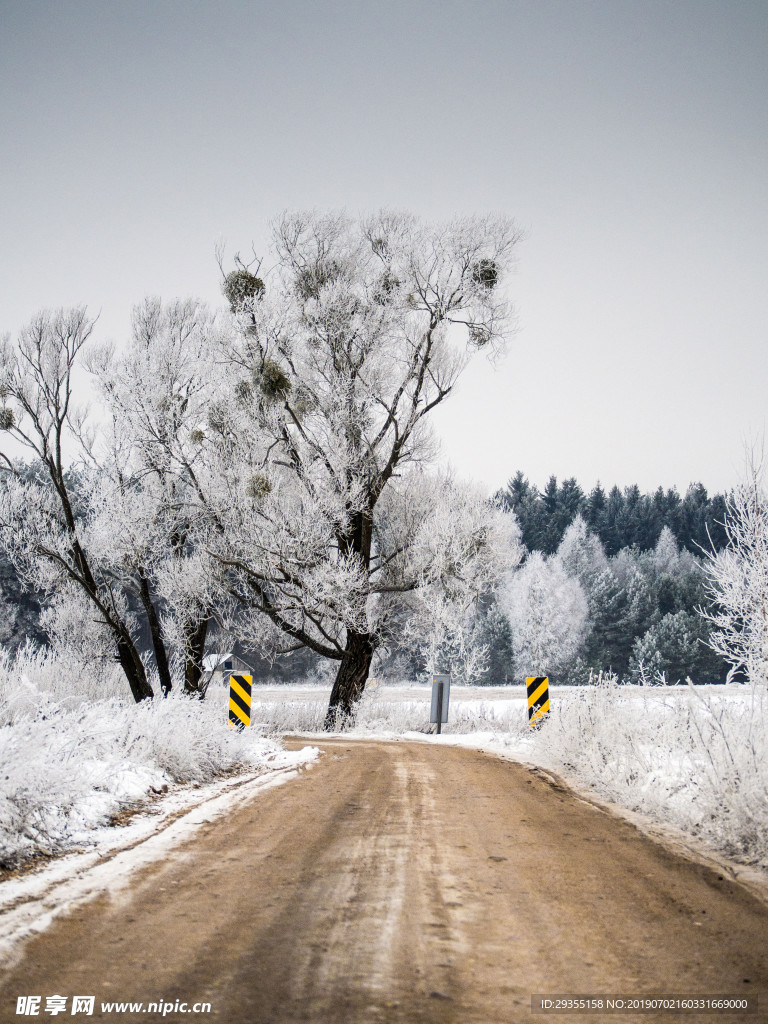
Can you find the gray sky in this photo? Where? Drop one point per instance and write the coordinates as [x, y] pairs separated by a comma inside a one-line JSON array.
[[628, 137]]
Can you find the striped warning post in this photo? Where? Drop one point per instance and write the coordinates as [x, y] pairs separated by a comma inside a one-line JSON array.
[[239, 701], [538, 699]]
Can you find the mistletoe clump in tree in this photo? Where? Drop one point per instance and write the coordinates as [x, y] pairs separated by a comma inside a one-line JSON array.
[[324, 515]]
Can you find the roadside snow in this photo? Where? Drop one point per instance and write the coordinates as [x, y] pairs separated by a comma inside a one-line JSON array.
[[70, 762], [30, 902]]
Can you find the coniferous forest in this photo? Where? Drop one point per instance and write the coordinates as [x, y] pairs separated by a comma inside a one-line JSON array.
[[619, 519]]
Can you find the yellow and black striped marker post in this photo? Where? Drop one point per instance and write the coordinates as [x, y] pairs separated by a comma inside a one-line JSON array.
[[239, 701], [538, 699]]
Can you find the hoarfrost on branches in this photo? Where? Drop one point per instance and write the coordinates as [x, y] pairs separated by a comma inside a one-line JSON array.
[[44, 525], [738, 583], [548, 613], [581, 553], [361, 330], [267, 470]]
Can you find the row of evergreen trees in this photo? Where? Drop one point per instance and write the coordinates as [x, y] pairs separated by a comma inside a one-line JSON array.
[[619, 518]]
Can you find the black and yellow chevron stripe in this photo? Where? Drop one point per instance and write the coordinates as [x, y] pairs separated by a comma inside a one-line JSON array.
[[538, 698], [239, 701]]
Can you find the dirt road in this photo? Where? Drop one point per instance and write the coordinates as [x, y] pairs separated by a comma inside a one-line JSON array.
[[407, 883]]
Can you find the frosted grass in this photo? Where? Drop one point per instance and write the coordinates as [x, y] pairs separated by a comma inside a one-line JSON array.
[[70, 762], [695, 758]]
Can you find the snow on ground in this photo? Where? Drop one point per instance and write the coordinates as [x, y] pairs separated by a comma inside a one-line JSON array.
[[29, 902]]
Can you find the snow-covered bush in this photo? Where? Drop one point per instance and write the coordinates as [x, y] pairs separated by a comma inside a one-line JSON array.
[[698, 762], [35, 674], [70, 762]]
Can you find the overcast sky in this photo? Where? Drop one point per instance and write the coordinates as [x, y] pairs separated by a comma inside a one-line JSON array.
[[628, 137]]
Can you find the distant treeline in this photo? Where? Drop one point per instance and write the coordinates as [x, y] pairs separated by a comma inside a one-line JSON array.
[[619, 518]]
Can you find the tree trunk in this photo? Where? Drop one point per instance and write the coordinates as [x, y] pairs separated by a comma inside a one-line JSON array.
[[133, 667], [194, 647], [350, 679], [158, 644]]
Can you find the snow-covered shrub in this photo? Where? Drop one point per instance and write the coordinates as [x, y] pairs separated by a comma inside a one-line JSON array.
[[70, 762], [698, 762], [59, 675]]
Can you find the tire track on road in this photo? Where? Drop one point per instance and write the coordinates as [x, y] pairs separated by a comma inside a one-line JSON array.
[[406, 882]]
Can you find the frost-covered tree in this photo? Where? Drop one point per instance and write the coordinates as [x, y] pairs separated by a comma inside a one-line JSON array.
[[158, 391], [548, 615], [105, 541], [323, 517], [581, 553], [442, 615], [675, 647], [666, 554], [51, 545], [738, 584]]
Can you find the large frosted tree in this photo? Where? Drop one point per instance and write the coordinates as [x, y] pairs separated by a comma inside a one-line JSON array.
[[325, 517]]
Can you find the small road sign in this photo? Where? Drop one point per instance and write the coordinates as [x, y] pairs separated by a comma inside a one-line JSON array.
[[441, 689], [239, 701], [538, 699]]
